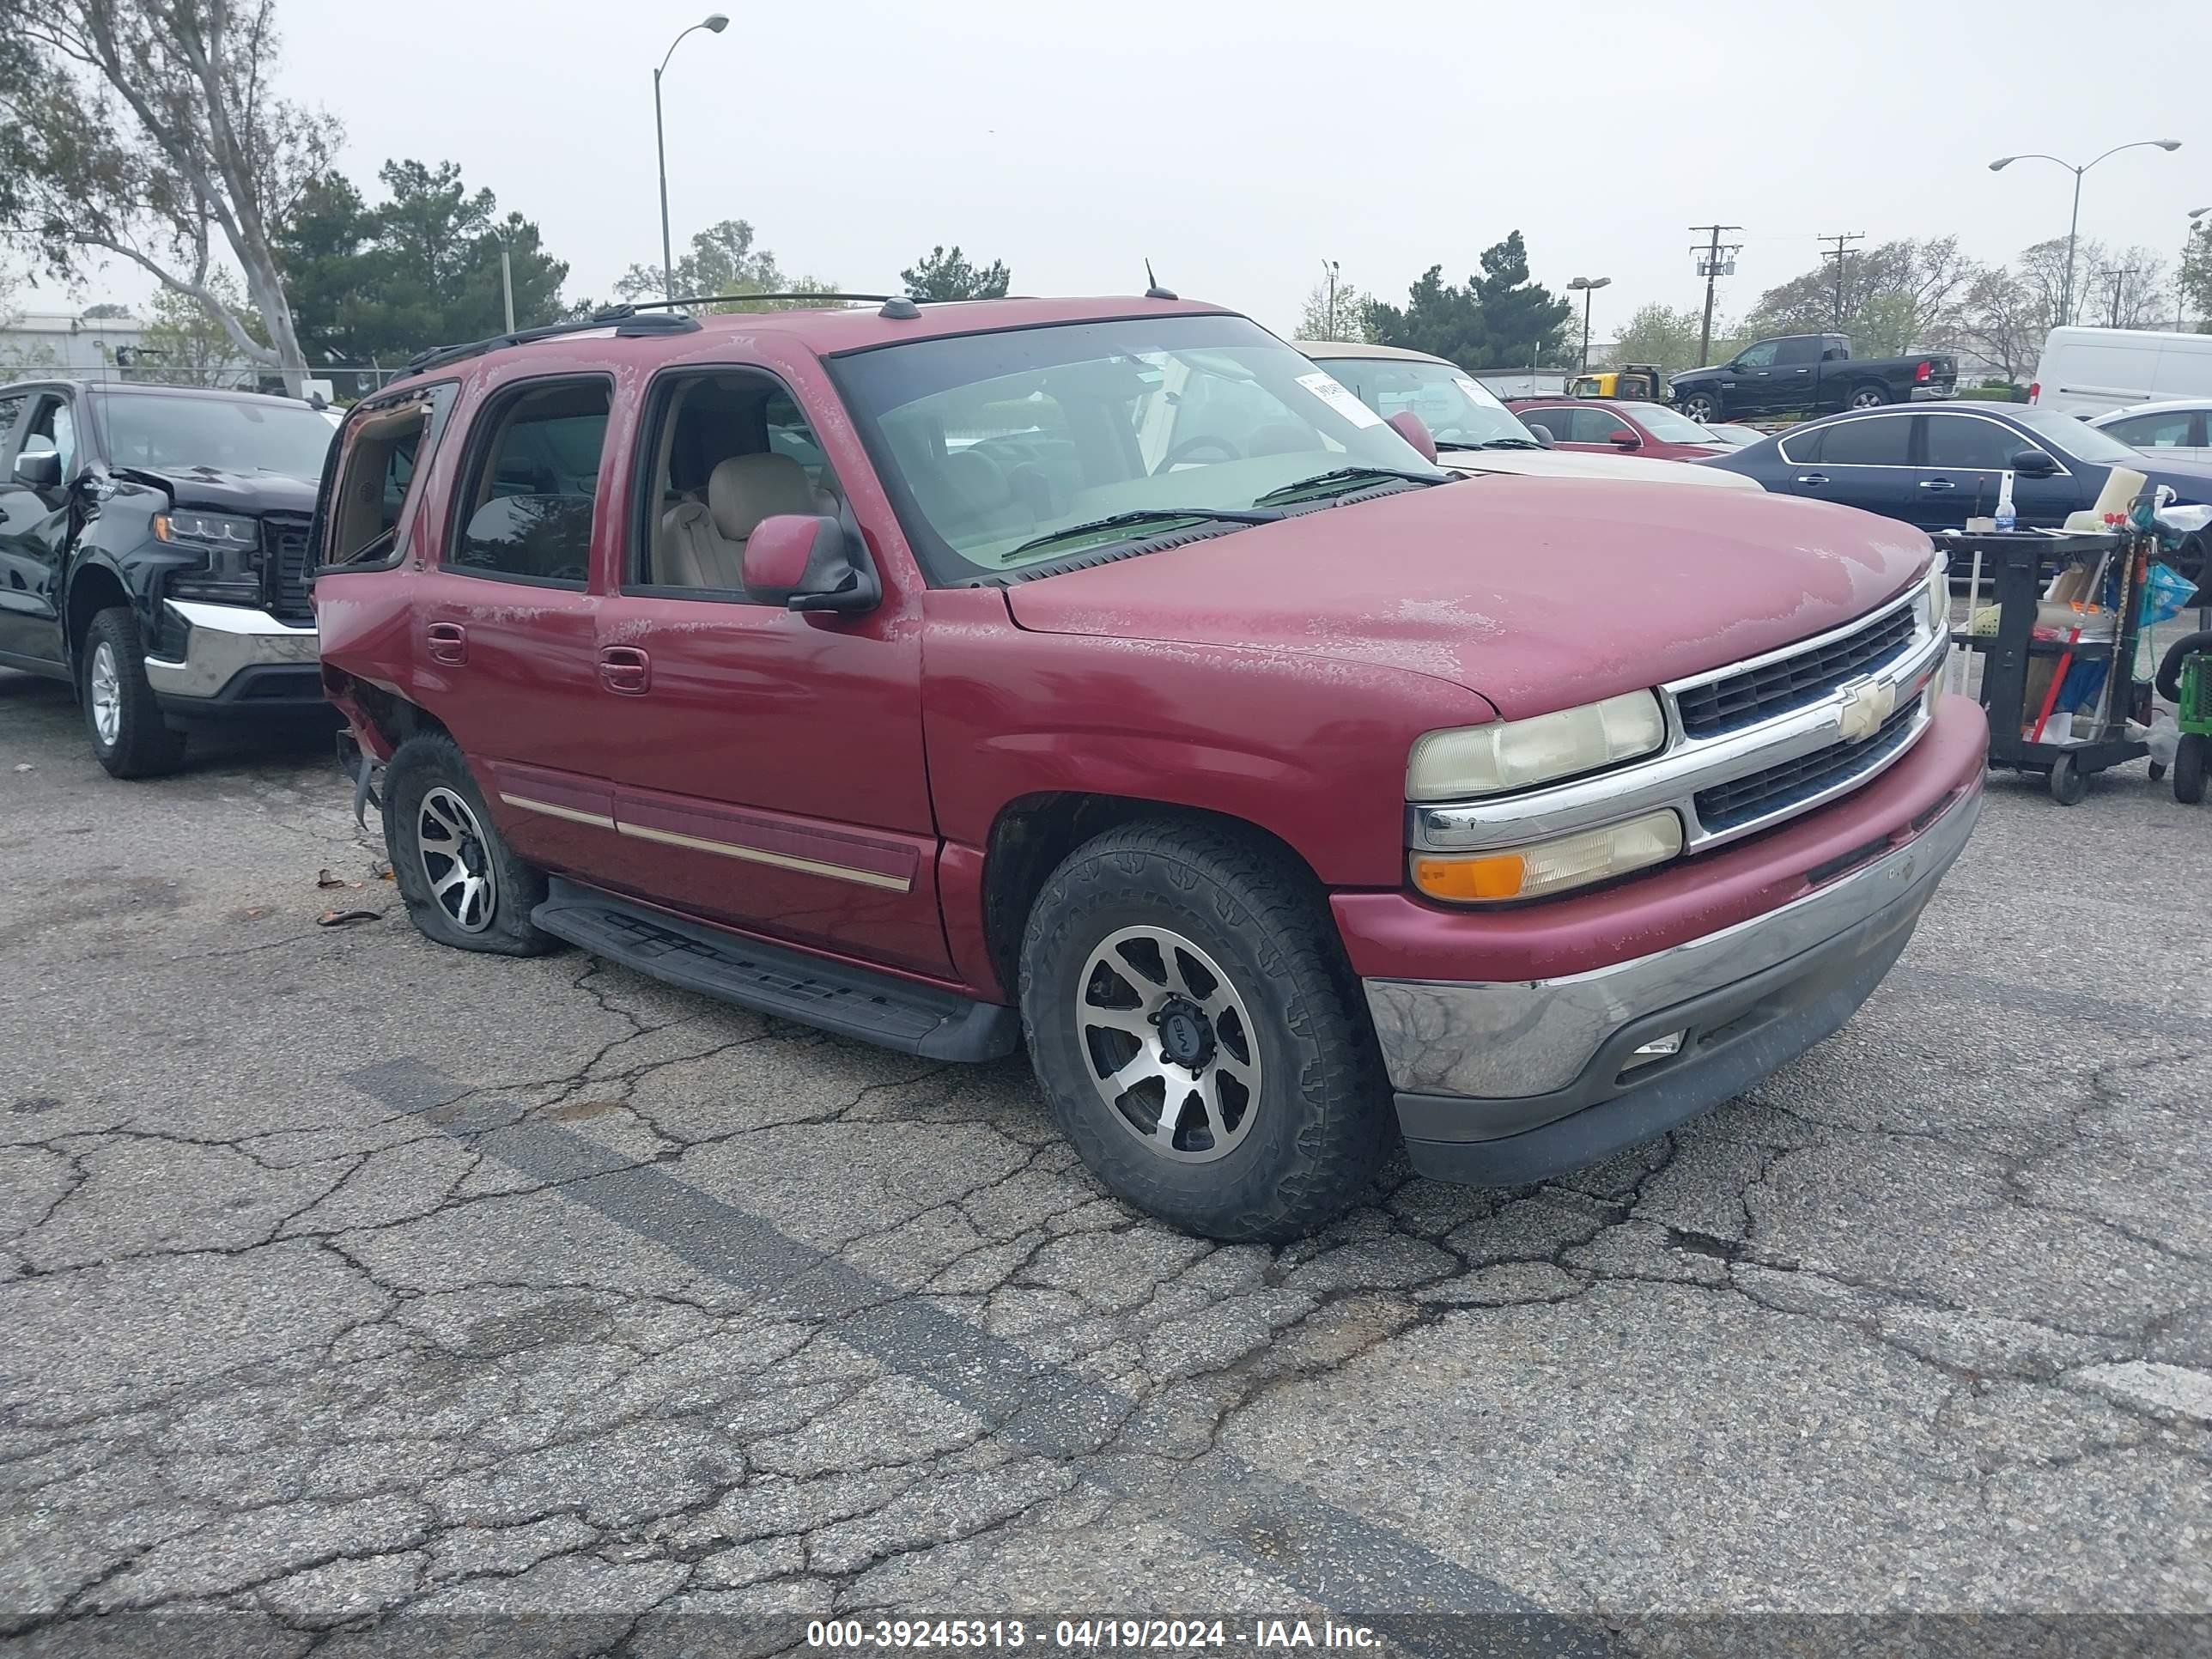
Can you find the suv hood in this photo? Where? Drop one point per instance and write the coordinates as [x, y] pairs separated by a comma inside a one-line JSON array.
[[1579, 464], [1535, 596], [218, 491]]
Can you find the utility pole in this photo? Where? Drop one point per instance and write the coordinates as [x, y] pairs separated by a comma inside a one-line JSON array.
[[1330, 266], [1841, 242], [2119, 274], [1709, 263]]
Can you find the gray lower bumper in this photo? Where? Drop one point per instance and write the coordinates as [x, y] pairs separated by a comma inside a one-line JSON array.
[[223, 642], [1483, 1062]]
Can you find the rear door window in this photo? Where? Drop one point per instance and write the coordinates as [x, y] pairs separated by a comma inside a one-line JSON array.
[[372, 504], [2167, 431], [1801, 350], [526, 510], [1873, 440]]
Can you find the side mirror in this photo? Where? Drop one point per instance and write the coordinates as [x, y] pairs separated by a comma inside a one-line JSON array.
[[2033, 464], [1415, 431], [805, 563], [40, 469], [1542, 434], [1625, 439]]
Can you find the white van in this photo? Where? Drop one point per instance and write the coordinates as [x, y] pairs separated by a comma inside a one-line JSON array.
[[2093, 371]]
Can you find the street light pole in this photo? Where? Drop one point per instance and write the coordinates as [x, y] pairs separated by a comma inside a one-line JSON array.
[[713, 23], [1330, 266], [505, 272], [1588, 285], [2073, 225]]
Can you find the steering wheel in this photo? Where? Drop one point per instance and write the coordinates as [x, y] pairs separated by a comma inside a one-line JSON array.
[[1182, 452]]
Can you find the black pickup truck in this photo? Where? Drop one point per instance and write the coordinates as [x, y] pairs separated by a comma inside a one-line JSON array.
[[1809, 375], [153, 553]]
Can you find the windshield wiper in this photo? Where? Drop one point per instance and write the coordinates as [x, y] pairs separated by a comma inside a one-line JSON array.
[[1348, 475], [1137, 516], [1493, 443]]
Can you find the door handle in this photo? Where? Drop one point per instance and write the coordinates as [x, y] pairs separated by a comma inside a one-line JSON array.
[[626, 669], [449, 642], [1801, 371], [1937, 483], [1812, 477]]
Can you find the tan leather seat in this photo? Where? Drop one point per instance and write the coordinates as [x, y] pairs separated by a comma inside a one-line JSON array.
[[706, 545]]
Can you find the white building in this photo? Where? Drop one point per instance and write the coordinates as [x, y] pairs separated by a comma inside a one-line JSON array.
[[64, 343]]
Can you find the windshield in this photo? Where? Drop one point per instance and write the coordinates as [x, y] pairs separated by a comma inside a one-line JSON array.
[[1664, 424], [2076, 438], [170, 433], [999, 445], [1457, 409]]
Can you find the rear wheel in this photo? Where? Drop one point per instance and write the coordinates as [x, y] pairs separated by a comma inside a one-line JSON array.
[[129, 735], [1197, 1032], [462, 884], [2188, 768], [1869, 397]]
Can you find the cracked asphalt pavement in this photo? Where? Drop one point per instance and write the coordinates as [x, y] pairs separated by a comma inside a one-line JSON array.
[[344, 1277]]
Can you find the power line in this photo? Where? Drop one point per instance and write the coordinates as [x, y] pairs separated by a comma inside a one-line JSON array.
[[1710, 261], [1842, 241]]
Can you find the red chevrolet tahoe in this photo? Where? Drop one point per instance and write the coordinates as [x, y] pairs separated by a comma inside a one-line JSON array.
[[1102, 676]]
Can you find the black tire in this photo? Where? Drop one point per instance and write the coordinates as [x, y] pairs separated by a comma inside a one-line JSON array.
[[2188, 768], [1309, 1137], [2168, 677], [1702, 406], [2069, 782], [112, 690], [1868, 395], [2157, 770], [425, 777]]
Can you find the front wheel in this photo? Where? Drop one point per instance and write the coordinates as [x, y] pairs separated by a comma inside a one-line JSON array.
[[1869, 397], [1701, 406], [2069, 782], [462, 883], [121, 715], [1197, 1033]]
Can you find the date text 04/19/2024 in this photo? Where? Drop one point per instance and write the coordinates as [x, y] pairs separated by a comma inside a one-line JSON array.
[[1259, 1635]]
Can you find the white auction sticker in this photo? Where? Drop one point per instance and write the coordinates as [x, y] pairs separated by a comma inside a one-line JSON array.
[[1339, 397], [1476, 391]]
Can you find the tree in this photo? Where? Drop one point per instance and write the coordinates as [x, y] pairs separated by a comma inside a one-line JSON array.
[[104, 310], [2003, 317], [1353, 318], [1662, 335], [1495, 320], [150, 129], [1895, 297], [373, 285], [2127, 291], [944, 275], [723, 260], [184, 344], [2195, 279]]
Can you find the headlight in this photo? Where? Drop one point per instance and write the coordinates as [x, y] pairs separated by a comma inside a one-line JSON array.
[[1938, 596], [230, 551], [1489, 760], [1549, 866]]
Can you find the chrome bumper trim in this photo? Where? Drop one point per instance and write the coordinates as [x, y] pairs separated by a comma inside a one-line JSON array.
[[221, 640], [1501, 1041], [1672, 777]]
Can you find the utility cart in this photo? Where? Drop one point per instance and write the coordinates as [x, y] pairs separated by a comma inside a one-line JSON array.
[[2021, 564]]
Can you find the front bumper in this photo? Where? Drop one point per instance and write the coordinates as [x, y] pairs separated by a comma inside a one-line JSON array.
[[235, 659], [1501, 1083]]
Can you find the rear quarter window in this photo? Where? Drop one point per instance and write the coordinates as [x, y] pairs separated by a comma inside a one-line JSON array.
[[370, 495]]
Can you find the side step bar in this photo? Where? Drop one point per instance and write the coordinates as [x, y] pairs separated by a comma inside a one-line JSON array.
[[768, 979]]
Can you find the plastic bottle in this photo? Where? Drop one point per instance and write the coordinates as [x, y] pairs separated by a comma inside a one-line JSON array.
[[2006, 520]]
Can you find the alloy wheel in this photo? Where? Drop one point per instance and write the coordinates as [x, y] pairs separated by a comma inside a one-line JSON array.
[[1171, 1045], [456, 860], [106, 694]]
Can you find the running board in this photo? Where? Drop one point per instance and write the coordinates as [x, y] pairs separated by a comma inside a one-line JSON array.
[[769, 979]]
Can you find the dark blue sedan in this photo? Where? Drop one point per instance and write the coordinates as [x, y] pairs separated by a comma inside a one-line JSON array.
[[1936, 468]]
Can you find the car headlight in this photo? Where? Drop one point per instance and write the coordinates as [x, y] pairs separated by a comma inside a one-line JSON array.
[[230, 555], [1938, 596], [1489, 760], [1548, 866]]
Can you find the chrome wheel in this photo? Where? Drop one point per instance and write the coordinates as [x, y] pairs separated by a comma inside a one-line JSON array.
[[1867, 400], [1171, 1047], [107, 688], [456, 860]]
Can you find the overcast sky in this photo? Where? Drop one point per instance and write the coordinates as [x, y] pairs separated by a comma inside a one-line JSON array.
[[1239, 143]]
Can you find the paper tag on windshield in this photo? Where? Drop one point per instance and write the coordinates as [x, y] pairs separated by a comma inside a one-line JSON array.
[[1338, 396], [1476, 391]]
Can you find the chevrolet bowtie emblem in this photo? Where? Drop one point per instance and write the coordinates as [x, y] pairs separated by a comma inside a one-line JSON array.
[[1866, 706]]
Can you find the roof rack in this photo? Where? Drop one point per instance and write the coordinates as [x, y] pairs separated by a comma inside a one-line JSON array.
[[627, 321]]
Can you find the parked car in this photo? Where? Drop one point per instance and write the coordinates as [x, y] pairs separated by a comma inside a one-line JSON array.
[[1810, 374], [153, 553], [1474, 432], [1936, 468], [2096, 371], [1603, 428], [1117, 681], [2178, 431]]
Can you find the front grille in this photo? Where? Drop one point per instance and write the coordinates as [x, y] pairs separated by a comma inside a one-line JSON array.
[[288, 563], [1776, 688], [1777, 788]]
